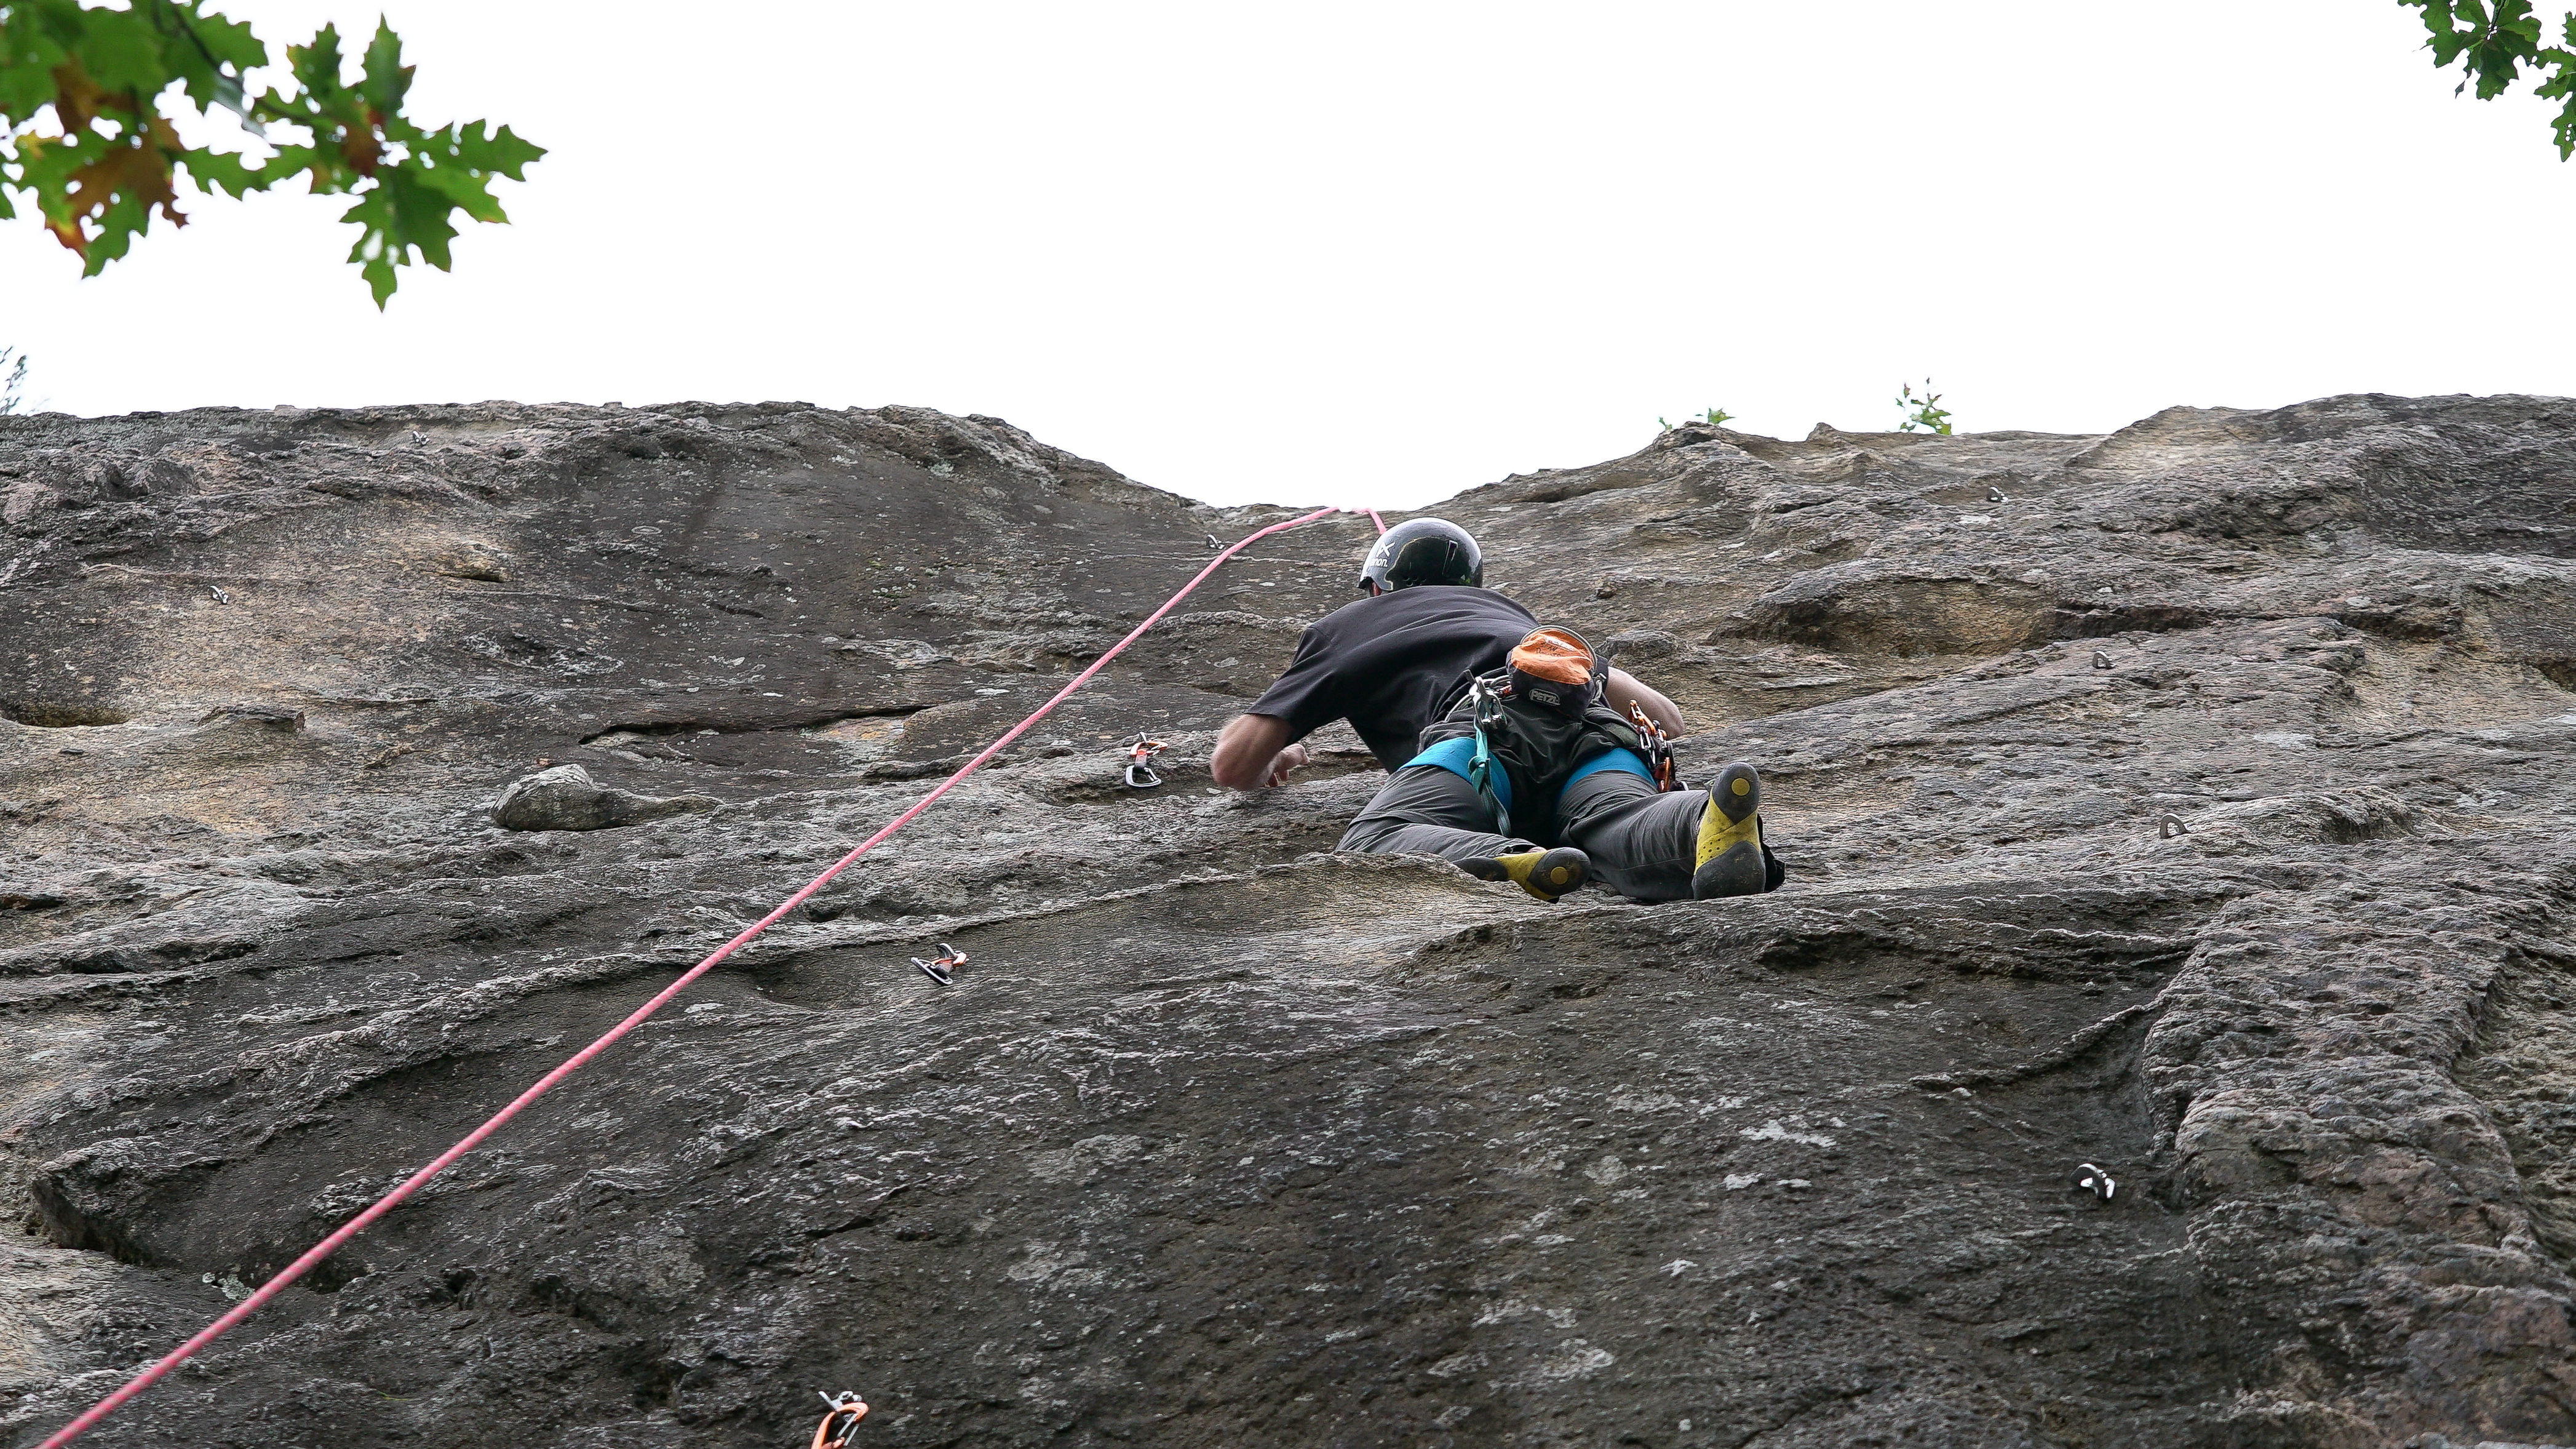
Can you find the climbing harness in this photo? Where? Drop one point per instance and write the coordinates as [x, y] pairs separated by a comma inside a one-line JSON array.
[[840, 1420], [368, 1217], [1140, 754], [1535, 726], [938, 970]]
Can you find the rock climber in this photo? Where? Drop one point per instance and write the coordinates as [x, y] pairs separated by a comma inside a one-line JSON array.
[[1517, 753]]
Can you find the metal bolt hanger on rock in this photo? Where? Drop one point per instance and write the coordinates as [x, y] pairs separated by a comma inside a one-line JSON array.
[[938, 970], [1140, 754]]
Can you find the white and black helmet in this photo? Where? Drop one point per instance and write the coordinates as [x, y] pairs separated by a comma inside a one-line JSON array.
[[1422, 551]]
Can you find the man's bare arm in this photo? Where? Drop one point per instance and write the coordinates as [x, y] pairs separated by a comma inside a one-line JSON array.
[[1253, 753], [1623, 690]]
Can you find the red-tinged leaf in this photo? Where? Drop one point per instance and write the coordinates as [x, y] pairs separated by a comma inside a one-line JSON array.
[[77, 99], [117, 193], [362, 149]]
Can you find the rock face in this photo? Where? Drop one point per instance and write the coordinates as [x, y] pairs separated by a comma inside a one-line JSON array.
[[2192, 800]]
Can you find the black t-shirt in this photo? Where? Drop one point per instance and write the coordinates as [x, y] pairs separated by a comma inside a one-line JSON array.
[[1394, 663]]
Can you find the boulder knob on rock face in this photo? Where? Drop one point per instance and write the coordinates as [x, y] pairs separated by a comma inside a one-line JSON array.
[[272, 717], [566, 798]]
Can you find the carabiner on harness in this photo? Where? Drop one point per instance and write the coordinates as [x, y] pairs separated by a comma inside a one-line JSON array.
[[841, 1424], [1140, 754], [1655, 747], [1488, 698]]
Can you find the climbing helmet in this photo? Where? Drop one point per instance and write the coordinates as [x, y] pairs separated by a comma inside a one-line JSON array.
[[1422, 551]]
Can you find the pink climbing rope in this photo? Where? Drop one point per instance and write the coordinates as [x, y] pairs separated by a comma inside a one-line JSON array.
[[1373, 518], [575, 1062]]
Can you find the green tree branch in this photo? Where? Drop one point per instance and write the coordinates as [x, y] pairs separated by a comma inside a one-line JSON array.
[[2492, 45], [112, 157]]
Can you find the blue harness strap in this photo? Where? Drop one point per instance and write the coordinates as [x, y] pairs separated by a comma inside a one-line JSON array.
[[1458, 756], [1625, 761]]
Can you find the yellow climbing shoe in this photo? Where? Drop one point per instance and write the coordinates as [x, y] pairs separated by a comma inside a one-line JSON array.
[[1730, 837], [1545, 874]]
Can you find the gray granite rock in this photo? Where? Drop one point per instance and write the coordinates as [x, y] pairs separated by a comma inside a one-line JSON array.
[[564, 797], [2200, 809]]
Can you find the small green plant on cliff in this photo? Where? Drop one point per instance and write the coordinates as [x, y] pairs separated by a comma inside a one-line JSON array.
[[2492, 40], [1714, 417], [1923, 414], [13, 380], [88, 96]]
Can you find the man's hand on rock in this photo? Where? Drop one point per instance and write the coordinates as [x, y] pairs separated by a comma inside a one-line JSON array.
[[1253, 753], [1283, 765]]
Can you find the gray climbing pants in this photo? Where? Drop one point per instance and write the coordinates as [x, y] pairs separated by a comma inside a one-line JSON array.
[[1642, 842]]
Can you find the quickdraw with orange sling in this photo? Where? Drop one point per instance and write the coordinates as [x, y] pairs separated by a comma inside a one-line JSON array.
[[841, 1422]]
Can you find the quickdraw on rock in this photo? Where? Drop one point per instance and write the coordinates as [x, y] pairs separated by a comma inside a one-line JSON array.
[[938, 970], [2092, 1179], [841, 1423], [1140, 754]]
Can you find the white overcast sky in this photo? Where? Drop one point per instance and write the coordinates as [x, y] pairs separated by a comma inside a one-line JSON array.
[[1376, 253]]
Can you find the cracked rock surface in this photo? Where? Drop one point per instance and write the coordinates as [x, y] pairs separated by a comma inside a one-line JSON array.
[[2195, 801]]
